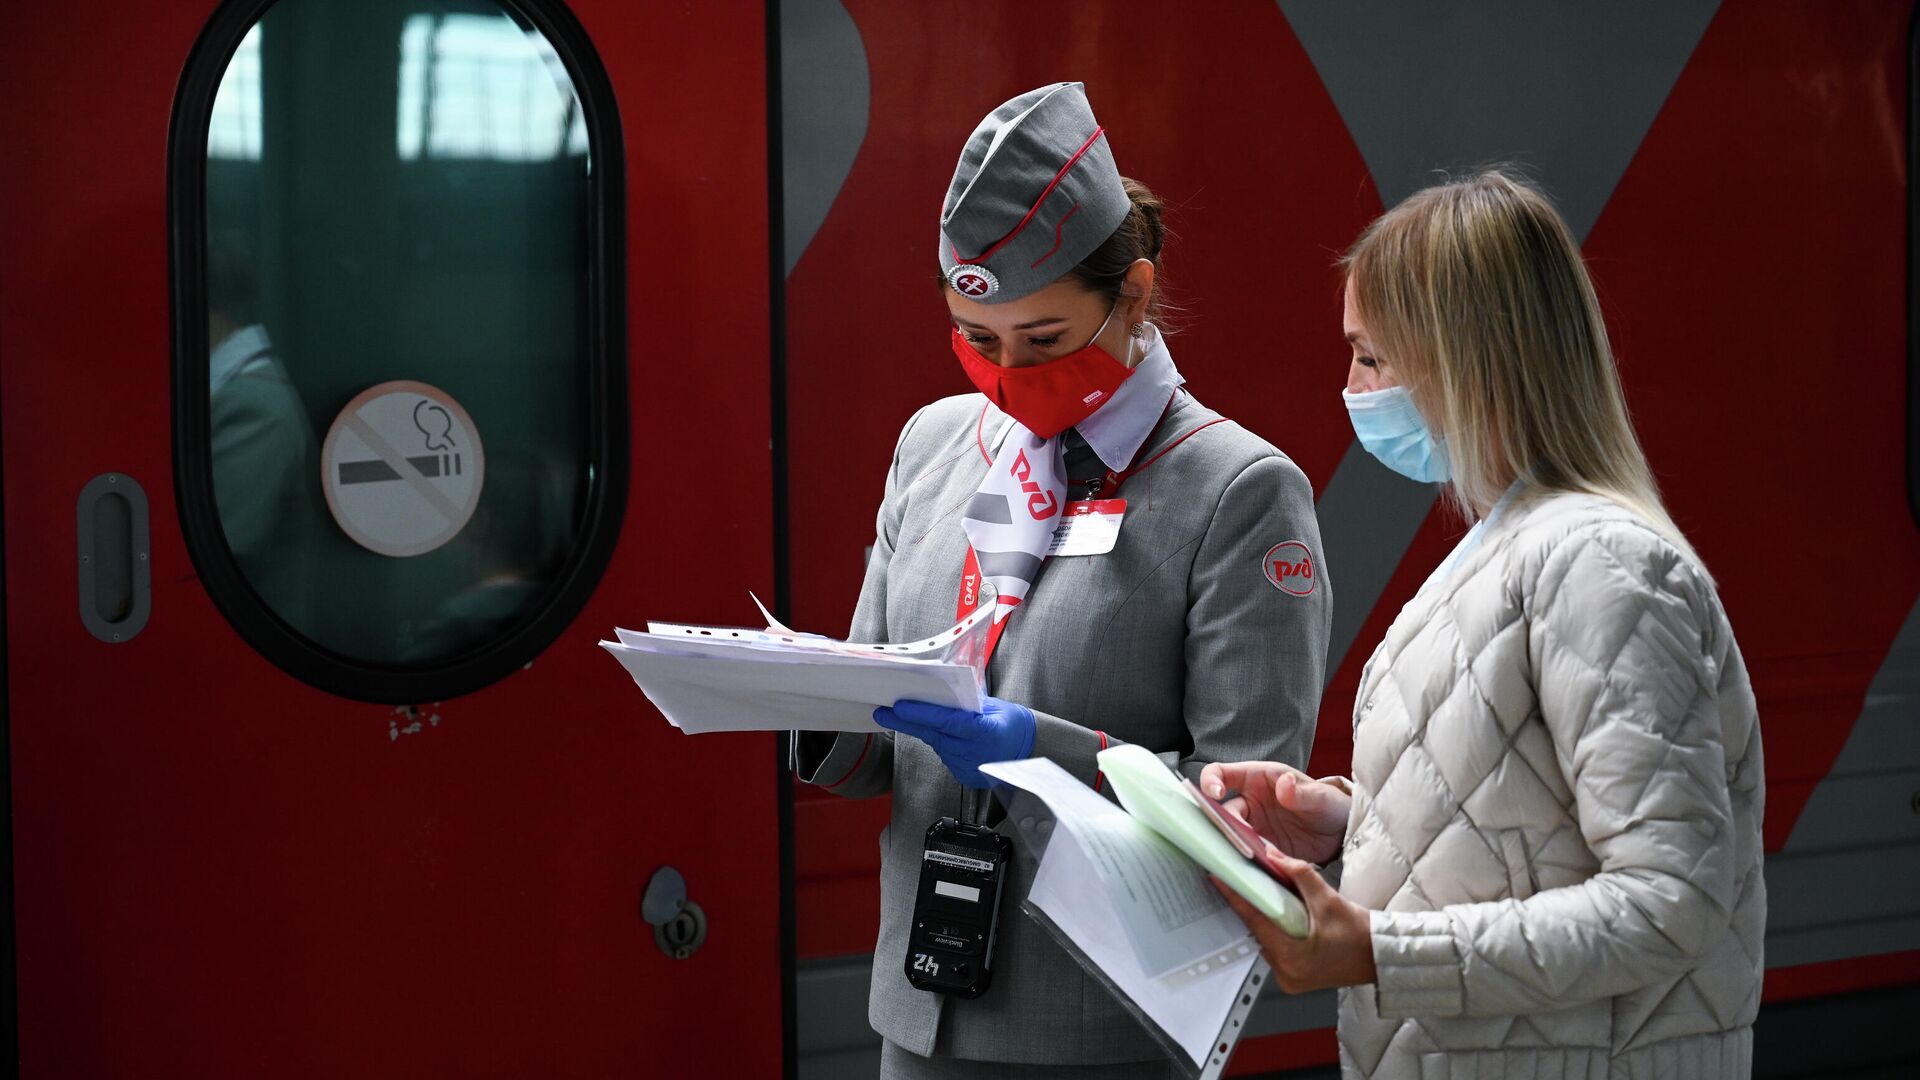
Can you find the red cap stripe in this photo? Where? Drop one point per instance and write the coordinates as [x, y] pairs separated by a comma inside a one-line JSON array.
[[1057, 230], [1077, 154]]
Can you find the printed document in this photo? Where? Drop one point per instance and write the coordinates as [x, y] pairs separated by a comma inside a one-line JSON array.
[[708, 678]]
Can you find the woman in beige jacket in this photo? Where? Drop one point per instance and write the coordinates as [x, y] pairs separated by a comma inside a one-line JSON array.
[[1550, 846]]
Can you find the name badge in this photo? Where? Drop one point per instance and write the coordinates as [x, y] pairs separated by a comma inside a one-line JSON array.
[[1089, 527]]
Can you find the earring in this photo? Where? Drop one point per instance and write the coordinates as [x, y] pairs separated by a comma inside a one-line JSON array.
[[1138, 330]]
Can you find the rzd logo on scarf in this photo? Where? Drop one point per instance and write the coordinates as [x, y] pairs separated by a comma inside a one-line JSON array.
[[1041, 504], [1289, 566]]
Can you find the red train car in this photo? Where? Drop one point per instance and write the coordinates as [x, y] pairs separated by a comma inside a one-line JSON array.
[[288, 797]]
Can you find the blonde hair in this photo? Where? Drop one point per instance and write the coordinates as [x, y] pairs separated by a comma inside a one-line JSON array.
[[1475, 293]]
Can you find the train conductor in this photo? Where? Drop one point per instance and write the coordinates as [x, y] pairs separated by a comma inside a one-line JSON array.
[[1184, 606]]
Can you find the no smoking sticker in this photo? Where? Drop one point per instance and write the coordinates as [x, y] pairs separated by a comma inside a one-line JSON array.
[[402, 468]]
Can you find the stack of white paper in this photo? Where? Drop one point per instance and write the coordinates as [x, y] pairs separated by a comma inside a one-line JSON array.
[[705, 678]]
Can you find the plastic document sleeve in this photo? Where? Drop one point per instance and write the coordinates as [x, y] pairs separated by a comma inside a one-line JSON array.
[[1136, 913], [1232, 1026]]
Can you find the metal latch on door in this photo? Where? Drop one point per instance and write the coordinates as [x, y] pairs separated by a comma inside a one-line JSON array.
[[679, 926]]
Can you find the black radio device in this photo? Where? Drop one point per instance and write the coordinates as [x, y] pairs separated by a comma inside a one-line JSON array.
[[957, 912]]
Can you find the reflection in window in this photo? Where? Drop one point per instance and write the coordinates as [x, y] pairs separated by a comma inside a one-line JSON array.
[[233, 132], [481, 86]]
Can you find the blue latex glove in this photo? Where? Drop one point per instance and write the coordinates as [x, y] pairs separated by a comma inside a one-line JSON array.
[[1000, 731]]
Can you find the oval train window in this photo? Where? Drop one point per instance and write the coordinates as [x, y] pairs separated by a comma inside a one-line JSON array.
[[399, 358]]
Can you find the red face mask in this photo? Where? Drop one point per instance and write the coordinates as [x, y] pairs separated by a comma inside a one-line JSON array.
[[1048, 398]]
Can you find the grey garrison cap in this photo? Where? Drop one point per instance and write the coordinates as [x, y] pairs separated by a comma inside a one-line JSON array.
[[1035, 192]]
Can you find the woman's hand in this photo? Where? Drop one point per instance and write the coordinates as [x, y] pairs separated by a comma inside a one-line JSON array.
[[1000, 731], [1307, 818], [1338, 948]]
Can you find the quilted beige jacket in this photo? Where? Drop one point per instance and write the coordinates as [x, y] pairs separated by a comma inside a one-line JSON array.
[[1556, 815]]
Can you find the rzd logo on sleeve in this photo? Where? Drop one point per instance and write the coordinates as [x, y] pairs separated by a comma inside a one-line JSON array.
[[1289, 566]]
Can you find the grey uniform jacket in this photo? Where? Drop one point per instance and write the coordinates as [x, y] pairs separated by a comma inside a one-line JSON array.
[[1178, 640]]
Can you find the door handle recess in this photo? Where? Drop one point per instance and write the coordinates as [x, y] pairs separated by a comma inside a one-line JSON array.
[[115, 569]]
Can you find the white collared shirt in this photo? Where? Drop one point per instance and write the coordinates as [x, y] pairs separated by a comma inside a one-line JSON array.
[[1478, 533], [1117, 429]]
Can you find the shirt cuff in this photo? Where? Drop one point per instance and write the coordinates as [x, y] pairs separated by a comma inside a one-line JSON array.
[[829, 760], [1418, 965], [1069, 746]]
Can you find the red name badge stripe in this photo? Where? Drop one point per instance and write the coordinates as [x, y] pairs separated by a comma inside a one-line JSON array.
[[969, 587], [970, 602]]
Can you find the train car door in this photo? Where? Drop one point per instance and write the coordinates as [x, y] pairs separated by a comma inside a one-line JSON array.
[[364, 363]]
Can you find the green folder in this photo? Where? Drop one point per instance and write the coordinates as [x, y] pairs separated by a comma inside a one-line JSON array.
[[1153, 795]]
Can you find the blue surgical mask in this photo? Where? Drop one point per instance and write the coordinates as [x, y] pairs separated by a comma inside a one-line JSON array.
[[1391, 429]]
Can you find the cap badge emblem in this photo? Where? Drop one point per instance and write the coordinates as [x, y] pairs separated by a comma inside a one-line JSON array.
[[973, 282]]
